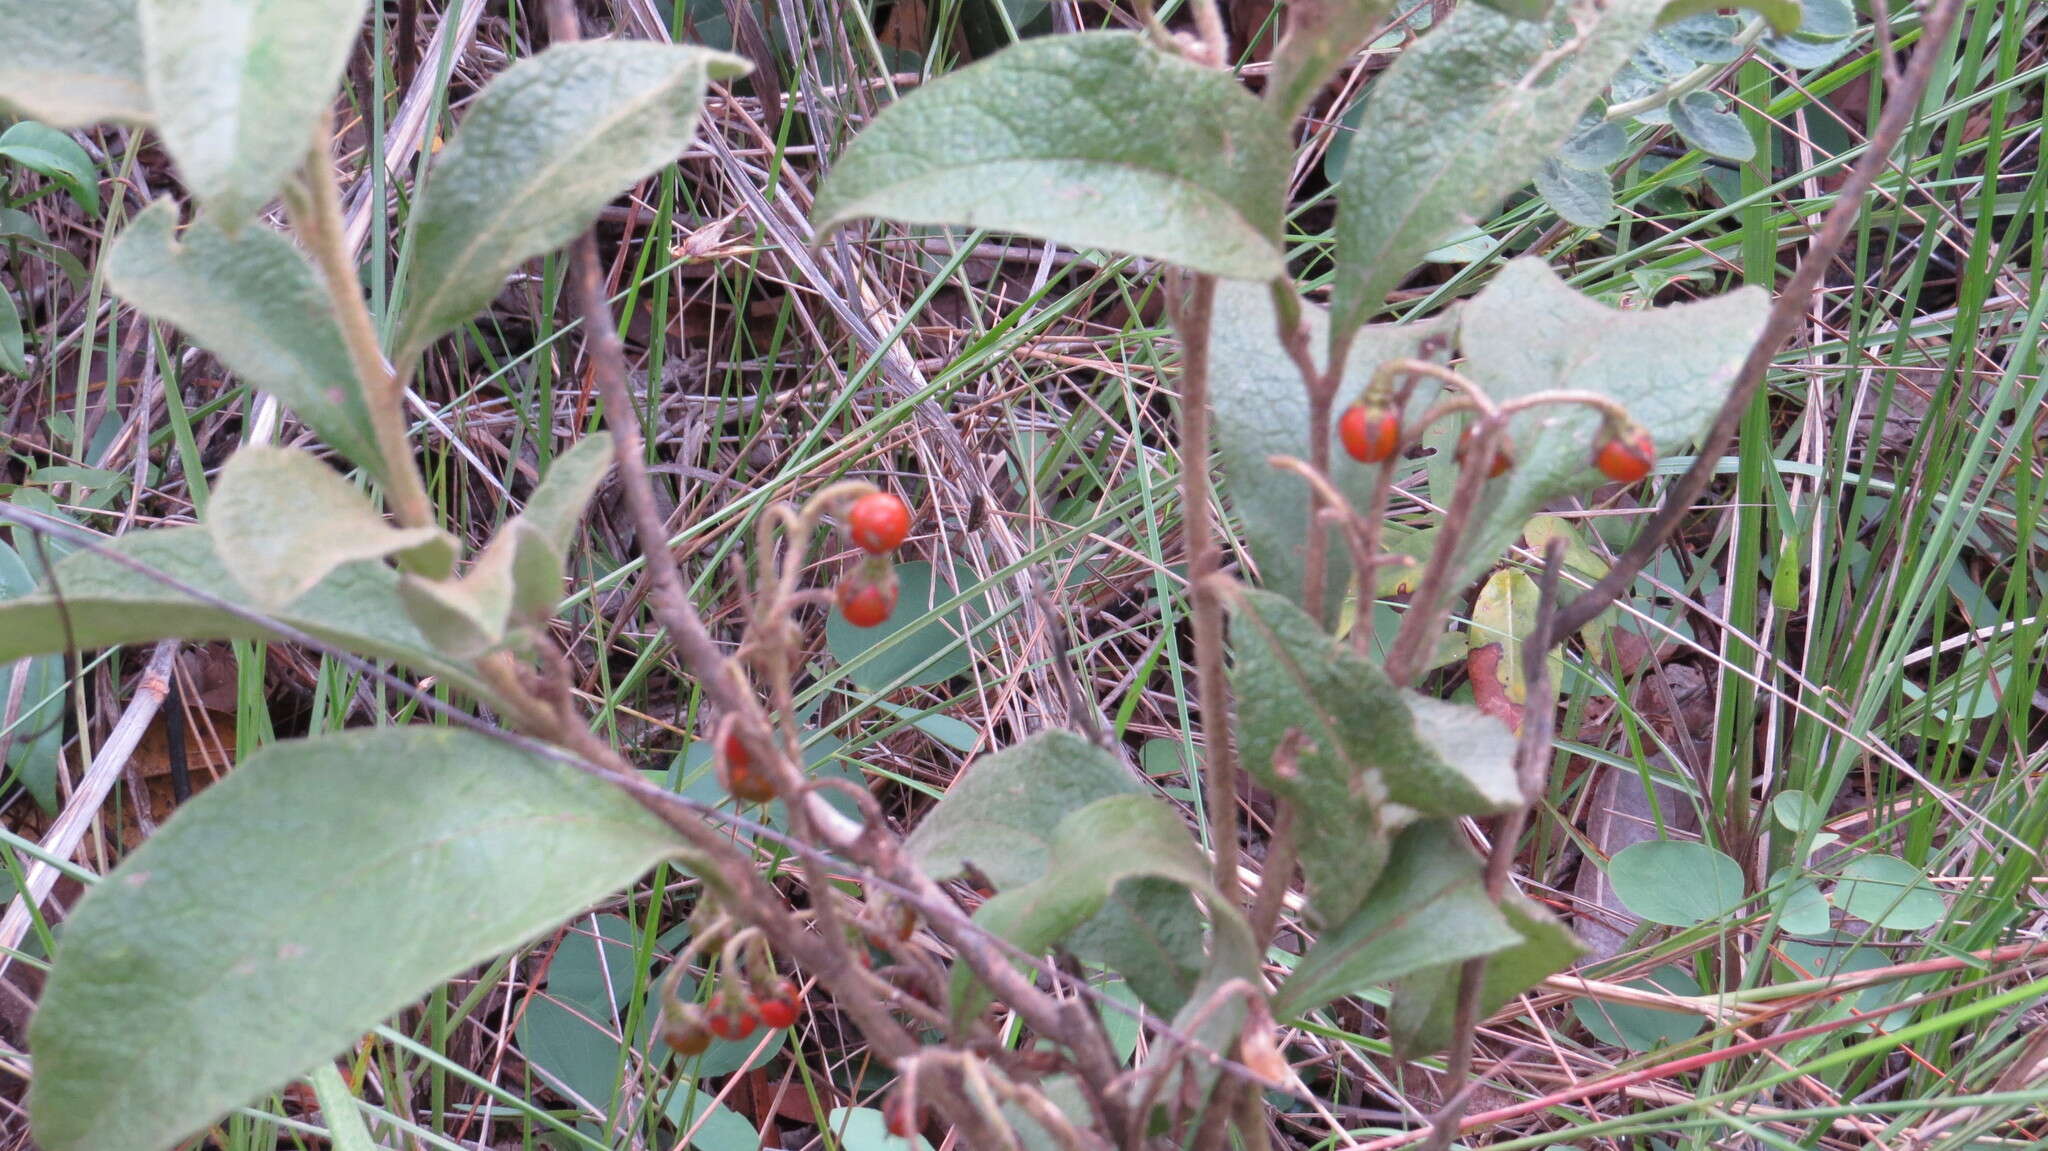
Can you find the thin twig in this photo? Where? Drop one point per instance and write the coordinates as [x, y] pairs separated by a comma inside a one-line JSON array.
[[1787, 314]]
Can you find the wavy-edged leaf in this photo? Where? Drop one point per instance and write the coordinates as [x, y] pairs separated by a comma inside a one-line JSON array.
[[1582, 196], [1439, 148], [1262, 411], [72, 63], [1529, 332], [251, 299], [321, 886], [551, 141], [95, 601], [1425, 1003], [238, 87], [1002, 815], [1365, 761], [1428, 910], [1115, 842], [1701, 119], [1093, 140], [282, 521]]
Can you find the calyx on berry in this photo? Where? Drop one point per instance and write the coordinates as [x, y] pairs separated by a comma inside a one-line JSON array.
[[1625, 453], [1371, 432], [878, 523], [732, 1019], [685, 1034]]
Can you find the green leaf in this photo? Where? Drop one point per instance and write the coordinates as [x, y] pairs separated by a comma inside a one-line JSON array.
[[866, 1129], [1429, 909], [1783, 15], [1364, 765], [239, 86], [94, 601], [1802, 909], [1504, 614], [1002, 814], [320, 887], [1321, 35], [549, 523], [57, 156], [36, 738], [551, 141], [1262, 411], [13, 350], [894, 652], [1455, 125], [471, 614], [1889, 892], [1528, 332], [1707, 125], [1595, 145], [282, 521], [1582, 196], [72, 63], [1645, 1028], [338, 1110], [251, 299], [1674, 882], [1114, 841], [1093, 140], [1796, 811], [1425, 1003]]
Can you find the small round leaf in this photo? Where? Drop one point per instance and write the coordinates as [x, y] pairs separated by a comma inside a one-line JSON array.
[[1675, 883]]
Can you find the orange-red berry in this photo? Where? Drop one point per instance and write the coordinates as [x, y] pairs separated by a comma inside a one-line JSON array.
[[878, 523], [1627, 456], [736, 771], [778, 1009], [900, 1115], [1371, 433], [865, 603], [1503, 451], [733, 1021]]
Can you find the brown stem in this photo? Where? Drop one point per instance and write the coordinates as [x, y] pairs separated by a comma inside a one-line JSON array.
[[1424, 617], [1787, 313], [1192, 319], [318, 220]]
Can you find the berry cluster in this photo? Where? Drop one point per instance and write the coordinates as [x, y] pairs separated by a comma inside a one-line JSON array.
[[877, 523], [688, 1029], [1371, 433]]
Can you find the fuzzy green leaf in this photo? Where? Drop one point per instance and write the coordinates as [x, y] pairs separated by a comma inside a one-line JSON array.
[[551, 141], [1094, 140], [72, 63], [1700, 118], [1425, 1003], [1429, 909], [1528, 332], [282, 521], [468, 615], [1002, 816], [1320, 35], [549, 523], [1262, 411], [1582, 196], [251, 299], [322, 886], [1453, 127], [1363, 764], [94, 601], [238, 88]]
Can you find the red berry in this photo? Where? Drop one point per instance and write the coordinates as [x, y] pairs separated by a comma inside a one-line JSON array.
[[1503, 452], [733, 1021], [878, 523], [777, 1010], [1627, 456], [737, 773], [899, 1113], [1371, 433], [865, 603]]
